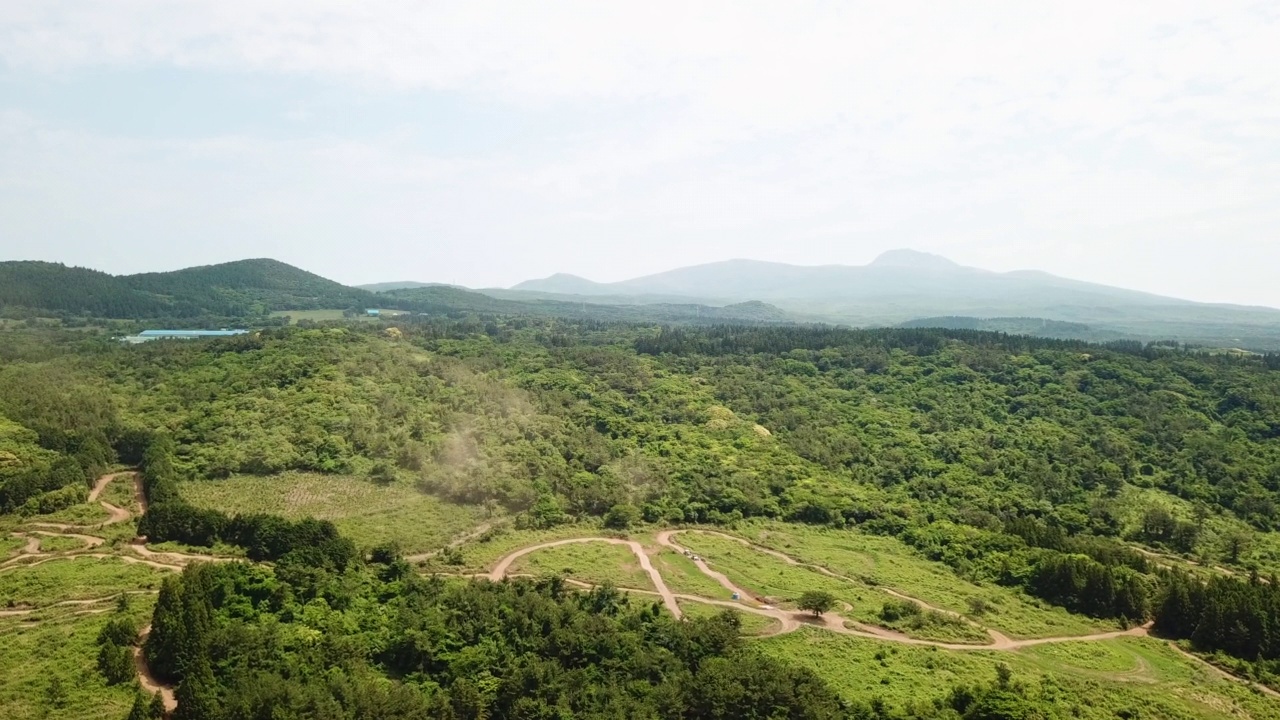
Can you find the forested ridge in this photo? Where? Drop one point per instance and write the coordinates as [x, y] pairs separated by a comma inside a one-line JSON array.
[[1034, 464], [241, 289], [245, 292]]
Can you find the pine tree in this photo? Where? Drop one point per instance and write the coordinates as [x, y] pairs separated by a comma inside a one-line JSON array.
[[168, 631], [139, 709], [155, 709], [197, 695]]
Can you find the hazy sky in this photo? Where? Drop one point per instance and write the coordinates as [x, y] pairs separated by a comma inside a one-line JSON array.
[[1133, 143]]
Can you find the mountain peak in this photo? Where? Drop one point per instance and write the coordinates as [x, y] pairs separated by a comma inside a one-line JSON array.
[[913, 259]]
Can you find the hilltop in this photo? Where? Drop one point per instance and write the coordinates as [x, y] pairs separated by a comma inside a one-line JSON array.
[[242, 288]]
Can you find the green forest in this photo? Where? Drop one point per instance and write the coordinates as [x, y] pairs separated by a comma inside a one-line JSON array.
[[1126, 483]]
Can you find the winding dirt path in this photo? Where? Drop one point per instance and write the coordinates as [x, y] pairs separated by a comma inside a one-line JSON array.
[[998, 639], [148, 681], [1219, 672], [139, 546], [115, 513], [668, 598], [790, 620], [17, 612]]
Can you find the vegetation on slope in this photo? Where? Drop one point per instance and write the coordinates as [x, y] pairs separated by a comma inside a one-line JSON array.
[[1004, 458]]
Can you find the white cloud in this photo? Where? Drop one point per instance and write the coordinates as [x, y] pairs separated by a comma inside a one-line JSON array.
[[1004, 133]]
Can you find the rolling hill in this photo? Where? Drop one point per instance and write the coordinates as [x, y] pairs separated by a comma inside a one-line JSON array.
[[244, 288]]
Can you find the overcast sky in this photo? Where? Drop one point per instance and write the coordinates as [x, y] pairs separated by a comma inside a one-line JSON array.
[[1132, 143]]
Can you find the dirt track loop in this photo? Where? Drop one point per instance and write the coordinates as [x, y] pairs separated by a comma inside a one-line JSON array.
[[790, 620], [500, 570]]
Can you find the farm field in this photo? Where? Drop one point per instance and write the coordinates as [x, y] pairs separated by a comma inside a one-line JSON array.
[[884, 561], [366, 512]]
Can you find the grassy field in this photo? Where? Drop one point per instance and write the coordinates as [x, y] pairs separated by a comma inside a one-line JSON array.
[[1121, 678], [1263, 547], [10, 545], [885, 561], [779, 583], [681, 576], [50, 668], [121, 494], [83, 514], [592, 562], [767, 577], [73, 579], [751, 624], [480, 553], [364, 511], [59, 543]]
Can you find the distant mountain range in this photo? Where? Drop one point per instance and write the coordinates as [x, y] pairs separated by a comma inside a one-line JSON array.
[[901, 287], [906, 287]]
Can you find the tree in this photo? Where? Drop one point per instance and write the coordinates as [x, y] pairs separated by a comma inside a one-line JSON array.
[[816, 601], [139, 709], [621, 516], [1235, 545], [155, 709]]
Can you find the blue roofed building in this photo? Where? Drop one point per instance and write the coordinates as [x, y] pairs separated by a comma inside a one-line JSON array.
[[373, 312]]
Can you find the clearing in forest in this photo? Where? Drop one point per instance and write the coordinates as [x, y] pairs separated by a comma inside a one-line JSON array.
[[596, 563], [366, 512], [885, 562]]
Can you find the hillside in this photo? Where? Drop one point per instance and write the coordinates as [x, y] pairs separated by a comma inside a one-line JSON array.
[[902, 286], [931, 492], [245, 288]]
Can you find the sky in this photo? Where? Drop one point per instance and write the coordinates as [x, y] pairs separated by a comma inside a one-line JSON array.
[[483, 143]]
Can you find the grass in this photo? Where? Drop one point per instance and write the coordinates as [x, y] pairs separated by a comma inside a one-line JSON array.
[[120, 492], [10, 545], [63, 652], [60, 543], [888, 562], [767, 577], [481, 553], [366, 512], [73, 578], [779, 583], [81, 514], [752, 624], [592, 562], [682, 576], [1116, 678]]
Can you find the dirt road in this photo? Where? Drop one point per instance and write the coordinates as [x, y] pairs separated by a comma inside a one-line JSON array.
[[148, 681], [668, 599], [790, 620]]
